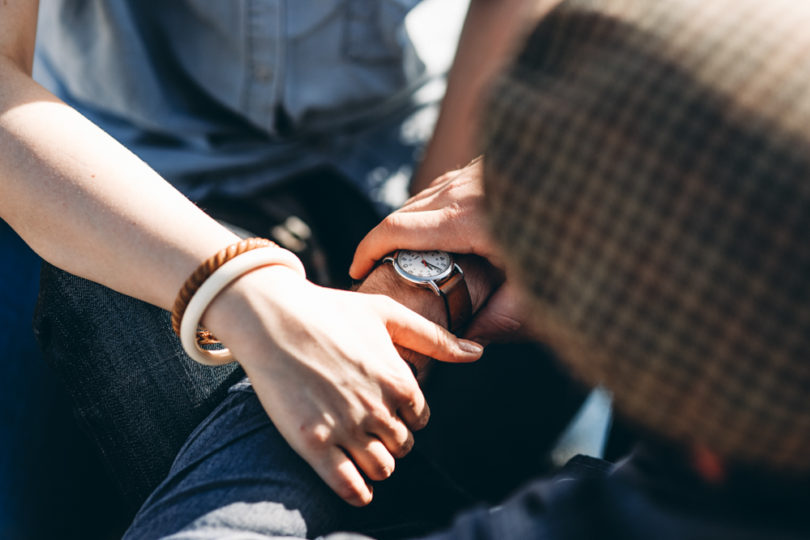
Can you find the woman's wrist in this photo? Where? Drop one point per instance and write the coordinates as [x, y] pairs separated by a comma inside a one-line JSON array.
[[210, 279], [255, 302]]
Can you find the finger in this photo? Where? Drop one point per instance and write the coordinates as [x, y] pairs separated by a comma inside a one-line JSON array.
[[501, 317], [373, 458], [342, 477], [401, 230], [404, 396], [412, 331], [419, 363], [397, 438], [414, 410], [436, 186]]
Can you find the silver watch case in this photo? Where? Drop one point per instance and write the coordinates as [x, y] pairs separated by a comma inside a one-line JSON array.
[[432, 283]]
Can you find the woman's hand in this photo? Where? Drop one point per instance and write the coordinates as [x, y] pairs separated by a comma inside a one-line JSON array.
[[324, 365]]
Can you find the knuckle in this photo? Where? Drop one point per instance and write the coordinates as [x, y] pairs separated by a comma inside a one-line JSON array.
[[382, 470], [453, 211], [316, 435], [456, 189], [404, 391], [404, 447], [379, 415], [403, 437], [421, 421], [356, 432]]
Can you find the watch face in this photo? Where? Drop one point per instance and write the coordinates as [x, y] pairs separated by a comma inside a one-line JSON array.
[[425, 265]]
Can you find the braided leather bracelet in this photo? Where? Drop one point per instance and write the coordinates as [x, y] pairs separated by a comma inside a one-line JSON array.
[[209, 279]]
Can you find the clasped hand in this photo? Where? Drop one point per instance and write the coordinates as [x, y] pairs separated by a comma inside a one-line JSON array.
[[324, 365], [449, 215]]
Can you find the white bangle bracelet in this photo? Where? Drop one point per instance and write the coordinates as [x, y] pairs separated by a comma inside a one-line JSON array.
[[216, 282]]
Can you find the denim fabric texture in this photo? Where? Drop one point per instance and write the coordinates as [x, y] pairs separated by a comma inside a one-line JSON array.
[[237, 472], [237, 477], [227, 101], [653, 493], [135, 391], [140, 397]]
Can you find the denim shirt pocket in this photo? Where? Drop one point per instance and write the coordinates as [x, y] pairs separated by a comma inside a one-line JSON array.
[[373, 29]]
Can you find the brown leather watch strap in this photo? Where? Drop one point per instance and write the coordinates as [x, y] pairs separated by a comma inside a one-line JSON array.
[[457, 302]]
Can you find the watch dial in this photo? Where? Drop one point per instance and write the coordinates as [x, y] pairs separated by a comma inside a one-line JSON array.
[[424, 264]]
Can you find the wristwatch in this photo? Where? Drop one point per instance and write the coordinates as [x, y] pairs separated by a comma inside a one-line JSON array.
[[436, 270]]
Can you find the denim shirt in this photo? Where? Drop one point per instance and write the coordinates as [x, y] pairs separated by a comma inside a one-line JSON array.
[[234, 93]]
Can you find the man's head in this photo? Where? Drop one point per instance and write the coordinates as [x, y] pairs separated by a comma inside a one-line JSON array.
[[648, 174]]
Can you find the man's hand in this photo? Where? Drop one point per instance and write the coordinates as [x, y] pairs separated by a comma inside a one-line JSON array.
[[501, 319], [448, 215]]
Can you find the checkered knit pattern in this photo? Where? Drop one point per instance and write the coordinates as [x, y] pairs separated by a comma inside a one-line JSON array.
[[648, 174]]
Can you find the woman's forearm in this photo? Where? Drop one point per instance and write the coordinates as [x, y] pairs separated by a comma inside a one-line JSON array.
[[87, 204]]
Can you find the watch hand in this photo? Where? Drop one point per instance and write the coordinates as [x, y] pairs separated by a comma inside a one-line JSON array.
[[433, 266]]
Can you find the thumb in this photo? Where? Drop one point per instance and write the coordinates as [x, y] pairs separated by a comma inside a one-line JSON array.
[[501, 318], [412, 331]]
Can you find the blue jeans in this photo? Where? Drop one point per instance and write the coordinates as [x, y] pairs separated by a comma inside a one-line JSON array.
[[237, 472], [140, 397], [135, 392], [236, 476], [236, 479]]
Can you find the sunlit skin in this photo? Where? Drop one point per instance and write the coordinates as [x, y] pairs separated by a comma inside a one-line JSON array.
[[449, 215], [463, 229], [89, 206]]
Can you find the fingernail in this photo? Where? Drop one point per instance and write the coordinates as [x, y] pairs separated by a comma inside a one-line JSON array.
[[470, 346]]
